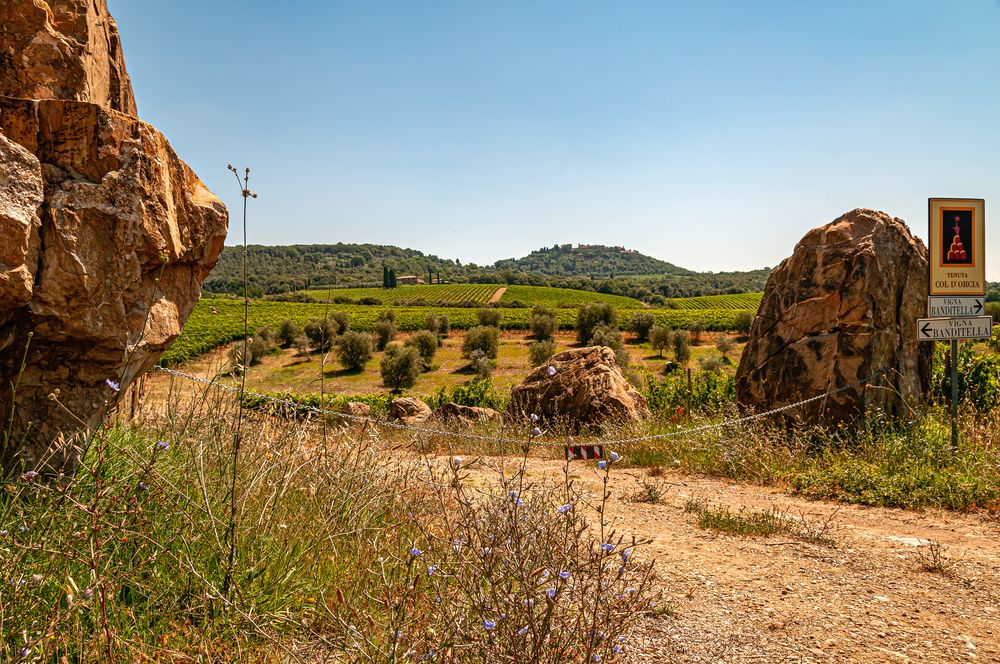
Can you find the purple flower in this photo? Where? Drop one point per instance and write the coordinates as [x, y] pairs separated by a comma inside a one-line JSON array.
[[24, 652], [535, 431], [551, 371], [528, 603], [616, 649], [545, 574], [456, 462], [626, 554], [113, 385], [415, 552], [565, 508], [513, 495], [431, 569], [489, 624], [607, 547], [533, 417], [631, 591], [23, 528], [550, 593], [142, 486], [565, 575], [30, 475], [597, 657], [162, 445], [88, 594], [602, 464], [522, 631], [614, 457]]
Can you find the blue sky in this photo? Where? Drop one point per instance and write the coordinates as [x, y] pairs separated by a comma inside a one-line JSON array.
[[709, 134]]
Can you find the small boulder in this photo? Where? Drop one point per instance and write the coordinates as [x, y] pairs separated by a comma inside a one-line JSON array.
[[580, 387], [466, 415], [409, 410], [357, 409]]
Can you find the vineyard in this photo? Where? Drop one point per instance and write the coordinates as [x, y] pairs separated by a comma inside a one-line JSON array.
[[740, 302], [432, 294], [564, 297], [216, 321]]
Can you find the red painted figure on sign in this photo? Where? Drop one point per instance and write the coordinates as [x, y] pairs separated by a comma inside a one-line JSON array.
[[956, 252]]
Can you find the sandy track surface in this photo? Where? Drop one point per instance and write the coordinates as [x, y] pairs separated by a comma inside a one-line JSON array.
[[779, 599], [499, 294]]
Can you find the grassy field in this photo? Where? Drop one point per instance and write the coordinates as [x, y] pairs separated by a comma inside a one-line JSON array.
[[741, 302], [430, 294], [217, 321], [564, 297]]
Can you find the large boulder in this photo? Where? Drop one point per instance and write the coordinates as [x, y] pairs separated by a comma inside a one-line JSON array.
[[105, 234], [842, 307], [409, 410], [579, 387], [63, 49]]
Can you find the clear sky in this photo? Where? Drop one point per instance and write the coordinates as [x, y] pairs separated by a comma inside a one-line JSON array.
[[711, 134]]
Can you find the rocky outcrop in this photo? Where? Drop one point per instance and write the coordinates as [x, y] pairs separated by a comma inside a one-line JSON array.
[[105, 234], [579, 387], [409, 410], [844, 305], [357, 409], [453, 413]]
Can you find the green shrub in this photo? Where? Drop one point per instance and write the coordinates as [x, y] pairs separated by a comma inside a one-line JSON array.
[[543, 323], [426, 343], [488, 317], [256, 348], [343, 321], [725, 346], [481, 364], [696, 328], [321, 333], [682, 346], [289, 332], [387, 314], [660, 337], [400, 367], [443, 325], [742, 322], [642, 324], [385, 331], [355, 350], [482, 338], [590, 316], [710, 364], [540, 351], [603, 335], [993, 309]]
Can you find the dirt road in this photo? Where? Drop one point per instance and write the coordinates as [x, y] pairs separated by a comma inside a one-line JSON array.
[[779, 599]]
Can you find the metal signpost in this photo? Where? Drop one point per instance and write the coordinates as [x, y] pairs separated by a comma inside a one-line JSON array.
[[956, 233]]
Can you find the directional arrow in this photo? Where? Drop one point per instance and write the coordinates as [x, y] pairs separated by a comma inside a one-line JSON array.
[[979, 307], [973, 327], [926, 329]]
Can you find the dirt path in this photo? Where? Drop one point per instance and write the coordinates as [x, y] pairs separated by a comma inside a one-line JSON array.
[[499, 294], [864, 599]]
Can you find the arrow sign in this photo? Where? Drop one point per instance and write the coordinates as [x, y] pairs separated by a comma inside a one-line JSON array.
[[974, 327], [945, 306]]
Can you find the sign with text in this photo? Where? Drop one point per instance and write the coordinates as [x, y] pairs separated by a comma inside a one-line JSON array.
[[943, 329], [957, 249], [943, 305]]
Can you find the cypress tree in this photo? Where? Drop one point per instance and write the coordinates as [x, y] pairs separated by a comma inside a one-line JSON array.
[[392, 277], [385, 277]]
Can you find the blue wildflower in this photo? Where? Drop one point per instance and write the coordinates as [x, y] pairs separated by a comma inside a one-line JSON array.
[[550, 593], [551, 371], [162, 445], [489, 624], [615, 456], [602, 464], [30, 475], [456, 462], [113, 385], [534, 418], [535, 431], [607, 547], [522, 631], [565, 508], [431, 569], [565, 575], [415, 552]]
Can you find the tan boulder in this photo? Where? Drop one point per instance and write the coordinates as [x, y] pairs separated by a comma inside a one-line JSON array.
[[128, 233], [409, 410], [844, 305], [357, 409], [21, 192], [63, 49], [466, 415], [584, 387]]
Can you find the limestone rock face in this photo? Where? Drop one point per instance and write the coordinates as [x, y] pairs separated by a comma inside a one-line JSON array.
[[409, 410], [127, 234], [587, 388], [466, 415], [844, 305], [63, 49]]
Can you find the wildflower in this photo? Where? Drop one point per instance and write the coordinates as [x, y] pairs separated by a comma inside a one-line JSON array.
[[415, 552], [113, 385], [602, 464], [616, 649], [545, 574], [522, 631], [535, 431], [597, 657], [489, 624], [614, 457], [528, 603], [565, 575], [514, 495], [88, 593], [565, 508], [621, 639], [456, 462], [162, 445], [487, 550], [626, 554], [551, 371], [607, 547], [23, 528], [142, 486], [631, 591], [3, 534], [431, 569], [24, 652], [550, 593], [533, 417], [30, 475]]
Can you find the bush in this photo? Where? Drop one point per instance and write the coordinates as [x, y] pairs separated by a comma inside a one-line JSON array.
[[682, 346], [289, 332], [725, 346], [660, 337], [321, 333], [481, 364], [590, 316], [385, 331], [540, 351], [400, 367], [993, 309], [443, 325], [426, 343], [642, 324], [489, 317], [483, 338], [268, 336], [387, 314], [257, 347], [612, 338], [696, 328], [742, 322], [355, 350], [710, 364], [343, 321], [543, 323], [301, 344]]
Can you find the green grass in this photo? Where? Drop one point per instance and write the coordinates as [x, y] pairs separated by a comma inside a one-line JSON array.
[[564, 297], [741, 302], [428, 294], [758, 523]]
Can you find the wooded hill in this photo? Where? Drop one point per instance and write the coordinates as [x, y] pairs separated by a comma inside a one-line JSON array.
[[613, 270]]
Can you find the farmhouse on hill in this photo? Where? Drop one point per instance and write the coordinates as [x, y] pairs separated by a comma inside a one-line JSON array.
[[409, 280]]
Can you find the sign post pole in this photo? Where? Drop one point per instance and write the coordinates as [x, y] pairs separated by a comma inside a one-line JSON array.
[[954, 395]]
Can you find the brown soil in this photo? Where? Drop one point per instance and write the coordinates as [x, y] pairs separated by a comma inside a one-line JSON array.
[[499, 294], [865, 598]]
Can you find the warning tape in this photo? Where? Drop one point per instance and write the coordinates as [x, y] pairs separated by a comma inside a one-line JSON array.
[[516, 441]]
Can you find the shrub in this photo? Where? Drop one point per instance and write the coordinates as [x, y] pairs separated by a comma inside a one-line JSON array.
[[682, 346], [484, 338], [612, 338], [660, 337], [257, 347], [710, 364], [696, 328], [431, 323], [489, 317], [993, 309], [481, 364], [443, 325], [642, 324], [725, 346], [387, 314], [267, 335], [590, 316], [385, 331], [355, 350], [301, 344], [289, 332], [742, 322], [540, 351], [400, 367], [321, 333], [343, 321], [426, 343], [543, 323]]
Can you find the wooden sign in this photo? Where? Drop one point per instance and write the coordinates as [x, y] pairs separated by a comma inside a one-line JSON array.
[[943, 329], [957, 246], [582, 452]]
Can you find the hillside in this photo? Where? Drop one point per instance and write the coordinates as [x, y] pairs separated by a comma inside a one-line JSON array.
[[609, 270]]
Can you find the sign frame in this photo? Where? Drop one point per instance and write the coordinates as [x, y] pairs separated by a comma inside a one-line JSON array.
[[960, 306], [954, 268], [954, 324]]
